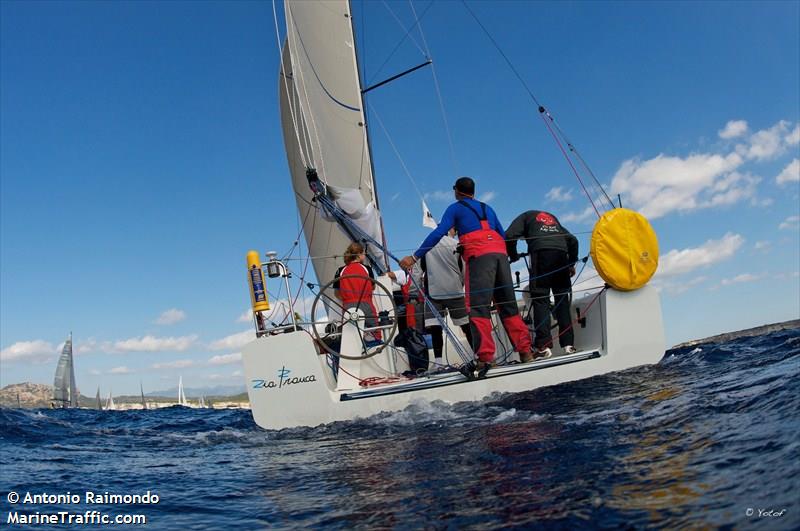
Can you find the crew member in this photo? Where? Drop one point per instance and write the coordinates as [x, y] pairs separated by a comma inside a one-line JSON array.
[[355, 289], [444, 286], [488, 274], [553, 252]]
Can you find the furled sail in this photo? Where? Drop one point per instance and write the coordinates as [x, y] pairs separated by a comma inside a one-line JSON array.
[[65, 392], [324, 128]]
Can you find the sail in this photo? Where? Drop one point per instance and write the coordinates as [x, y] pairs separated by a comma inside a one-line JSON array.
[[141, 390], [64, 389], [181, 395], [99, 406], [110, 406], [324, 128]]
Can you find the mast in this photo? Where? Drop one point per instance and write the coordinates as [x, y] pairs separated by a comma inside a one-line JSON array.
[[367, 133], [73, 388]]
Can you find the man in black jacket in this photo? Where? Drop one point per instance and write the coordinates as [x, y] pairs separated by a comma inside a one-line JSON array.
[[553, 252]]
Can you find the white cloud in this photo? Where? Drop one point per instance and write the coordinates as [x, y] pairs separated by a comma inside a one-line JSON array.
[[587, 214], [733, 129], [154, 344], [665, 184], [793, 138], [487, 196], [94, 372], [559, 195], [226, 359], [171, 316], [178, 364], [790, 223], [236, 373], [246, 316], [790, 174], [738, 279], [120, 370], [439, 195], [233, 341], [762, 245], [35, 351], [767, 143], [679, 262], [675, 287]]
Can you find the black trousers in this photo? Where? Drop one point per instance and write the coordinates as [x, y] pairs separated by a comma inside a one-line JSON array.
[[549, 269]]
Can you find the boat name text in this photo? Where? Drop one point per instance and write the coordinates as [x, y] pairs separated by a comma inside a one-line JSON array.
[[283, 380]]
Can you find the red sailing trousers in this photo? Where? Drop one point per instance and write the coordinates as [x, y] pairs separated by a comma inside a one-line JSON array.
[[487, 278]]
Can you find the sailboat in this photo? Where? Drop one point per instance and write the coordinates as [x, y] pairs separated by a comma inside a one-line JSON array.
[[110, 406], [65, 392], [99, 404], [141, 390], [328, 371], [181, 395]]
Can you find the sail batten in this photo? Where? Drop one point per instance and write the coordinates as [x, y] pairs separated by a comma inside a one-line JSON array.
[[324, 128]]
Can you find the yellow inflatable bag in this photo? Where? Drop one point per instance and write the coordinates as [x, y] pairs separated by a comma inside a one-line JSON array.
[[624, 249]]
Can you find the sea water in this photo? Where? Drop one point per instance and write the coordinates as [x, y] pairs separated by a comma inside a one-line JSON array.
[[709, 437]]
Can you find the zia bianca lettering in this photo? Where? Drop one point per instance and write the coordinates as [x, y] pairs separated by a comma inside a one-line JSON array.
[[284, 379]]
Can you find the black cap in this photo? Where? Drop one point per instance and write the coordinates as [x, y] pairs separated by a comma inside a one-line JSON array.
[[465, 185]]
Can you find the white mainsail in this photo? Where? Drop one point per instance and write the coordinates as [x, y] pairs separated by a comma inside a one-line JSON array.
[[65, 392], [324, 128], [181, 395], [110, 406]]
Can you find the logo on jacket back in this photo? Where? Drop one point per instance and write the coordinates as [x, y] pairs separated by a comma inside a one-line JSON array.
[[545, 219]]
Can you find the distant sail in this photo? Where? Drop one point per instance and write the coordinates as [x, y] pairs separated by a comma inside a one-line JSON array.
[[181, 394], [141, 390], [110, 405], [99, 403], [324, 127], [65, 392]]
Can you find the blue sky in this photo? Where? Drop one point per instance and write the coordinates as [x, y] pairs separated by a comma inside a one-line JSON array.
[[141, 157]]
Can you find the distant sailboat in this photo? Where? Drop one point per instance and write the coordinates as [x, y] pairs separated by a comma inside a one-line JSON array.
[[144, 403], [202, 401], [110, 406], [181, 395], [65, 392], [99, 402]]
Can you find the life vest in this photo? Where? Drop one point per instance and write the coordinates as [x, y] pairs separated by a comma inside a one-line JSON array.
[[355, 290], [485, 240], [411, 317]]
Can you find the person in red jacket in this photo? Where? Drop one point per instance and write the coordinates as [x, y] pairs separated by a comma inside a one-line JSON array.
[[357, 292]]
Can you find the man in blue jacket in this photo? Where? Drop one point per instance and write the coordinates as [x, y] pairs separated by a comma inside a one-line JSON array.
[[487, 275]]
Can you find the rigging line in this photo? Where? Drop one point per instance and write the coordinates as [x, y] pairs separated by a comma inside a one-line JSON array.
[[397, 46], [574, 150], [396, 152], [569, 160], [285, 82], [497, 46], [438, 91], [533, 97], [408, 31]]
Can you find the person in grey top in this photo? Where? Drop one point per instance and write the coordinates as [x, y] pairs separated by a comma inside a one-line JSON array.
[[444, 286]]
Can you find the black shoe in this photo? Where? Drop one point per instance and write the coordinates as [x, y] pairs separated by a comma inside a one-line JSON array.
[[475, 370]]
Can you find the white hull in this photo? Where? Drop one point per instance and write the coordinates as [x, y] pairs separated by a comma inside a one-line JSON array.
[[290, 384]]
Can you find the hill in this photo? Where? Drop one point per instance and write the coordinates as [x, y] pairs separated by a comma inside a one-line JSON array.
[[749, 332]]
